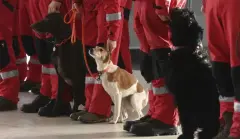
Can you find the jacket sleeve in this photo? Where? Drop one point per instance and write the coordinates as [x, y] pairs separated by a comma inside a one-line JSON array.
[[113, 18], [161, 7]]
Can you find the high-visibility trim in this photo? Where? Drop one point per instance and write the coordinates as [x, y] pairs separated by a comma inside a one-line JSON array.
[[160, 90], [98, 82], [237, 107], [51, 71], [9, 74], [114, 16], [21, 61], [89, 80], [33, 61], [226, 99]]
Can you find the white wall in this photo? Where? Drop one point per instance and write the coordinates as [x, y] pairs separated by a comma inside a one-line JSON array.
[[195, 6]]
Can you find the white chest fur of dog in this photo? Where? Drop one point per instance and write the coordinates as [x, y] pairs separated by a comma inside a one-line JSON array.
[[124, 89]]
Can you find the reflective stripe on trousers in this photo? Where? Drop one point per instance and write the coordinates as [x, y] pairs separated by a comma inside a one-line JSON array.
[[33, 61], [237, 106], [91, 80], [9, 74], [51, 71], [226, 99], [114, 16], [159, 90], [21, 61]]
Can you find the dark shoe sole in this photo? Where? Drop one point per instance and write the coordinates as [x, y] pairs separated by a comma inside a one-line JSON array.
[[154, 132], [8, 109]]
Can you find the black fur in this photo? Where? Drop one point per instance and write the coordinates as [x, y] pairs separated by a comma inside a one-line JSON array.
[[68, 58], [190, 79]]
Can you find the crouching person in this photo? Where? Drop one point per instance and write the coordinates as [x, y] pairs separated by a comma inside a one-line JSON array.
[[9, 80], [151, 28]]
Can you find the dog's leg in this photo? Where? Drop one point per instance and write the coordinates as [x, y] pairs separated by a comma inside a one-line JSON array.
[[123, 114], [117, 107]]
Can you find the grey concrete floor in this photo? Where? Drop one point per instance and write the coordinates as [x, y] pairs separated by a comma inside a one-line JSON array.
[[17, 125]]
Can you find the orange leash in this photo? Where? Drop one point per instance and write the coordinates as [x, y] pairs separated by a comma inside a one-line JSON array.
[[74, 35]]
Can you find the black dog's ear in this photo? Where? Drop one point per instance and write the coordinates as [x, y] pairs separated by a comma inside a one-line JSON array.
[[40, 26]]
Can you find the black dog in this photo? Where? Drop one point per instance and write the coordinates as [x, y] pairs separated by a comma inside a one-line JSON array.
[[67, 58], [190, 79]]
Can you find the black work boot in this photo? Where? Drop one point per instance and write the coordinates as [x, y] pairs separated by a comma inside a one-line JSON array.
[[225, 130], [153, 128], [127, 126], [37, 103], [27, 86], [55, 109], [7, 105], [76, 115]]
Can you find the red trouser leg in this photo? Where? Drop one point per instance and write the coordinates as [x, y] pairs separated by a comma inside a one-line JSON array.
[[46, 87], [66, 96], [224, 49], [164, 107], [9, 80], [34, 70], [89, 85], [151, 100], [98, 97], [21, 62], [124, 47]]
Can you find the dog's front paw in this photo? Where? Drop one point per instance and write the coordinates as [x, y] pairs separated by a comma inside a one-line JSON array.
[[113, 121]]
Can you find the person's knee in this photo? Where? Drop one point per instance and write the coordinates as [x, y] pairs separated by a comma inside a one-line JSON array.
[[28, 45], [146, 66], [4, 55]]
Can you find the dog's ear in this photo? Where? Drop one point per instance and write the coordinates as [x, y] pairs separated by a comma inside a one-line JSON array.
[[39, 26]]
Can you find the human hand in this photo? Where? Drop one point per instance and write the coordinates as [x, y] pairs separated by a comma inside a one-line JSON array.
[[54, 7], [111, 45]]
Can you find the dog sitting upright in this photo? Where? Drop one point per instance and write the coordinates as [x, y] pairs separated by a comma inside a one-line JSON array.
[[190, 79], [124, 89], [67, 58]]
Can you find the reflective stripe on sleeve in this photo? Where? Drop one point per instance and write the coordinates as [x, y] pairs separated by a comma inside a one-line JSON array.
[[114, 16], [9, 74]]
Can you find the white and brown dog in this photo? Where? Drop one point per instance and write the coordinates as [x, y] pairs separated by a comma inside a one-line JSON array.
[[124, 89]]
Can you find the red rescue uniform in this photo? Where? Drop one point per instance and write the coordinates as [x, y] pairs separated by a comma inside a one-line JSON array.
[[223, 34], [102, 20], [155, 45], [9, 80], [37, 10]]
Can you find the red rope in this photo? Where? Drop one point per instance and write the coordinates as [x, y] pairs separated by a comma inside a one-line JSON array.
[[72, 20]]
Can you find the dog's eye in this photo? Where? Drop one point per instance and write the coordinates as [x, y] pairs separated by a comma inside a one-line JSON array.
[[101, 50]]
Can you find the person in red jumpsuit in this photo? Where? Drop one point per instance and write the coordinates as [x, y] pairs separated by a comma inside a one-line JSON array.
[[45, 103], [102, 26], [25, 40], [9, 79], [223, 35], [151, 28]]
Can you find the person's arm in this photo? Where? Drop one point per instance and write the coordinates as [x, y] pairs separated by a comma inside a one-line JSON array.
[[113, 18], [203, 6]]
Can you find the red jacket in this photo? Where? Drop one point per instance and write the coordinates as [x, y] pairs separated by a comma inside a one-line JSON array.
[[163, 6], [113, 16]]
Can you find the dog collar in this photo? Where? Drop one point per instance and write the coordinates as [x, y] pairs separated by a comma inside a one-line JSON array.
[[100, 73]]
